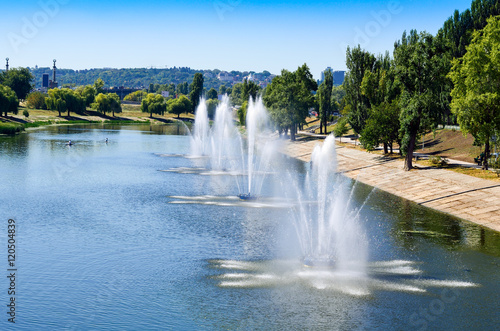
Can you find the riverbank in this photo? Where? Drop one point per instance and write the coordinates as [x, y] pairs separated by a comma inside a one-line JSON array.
[[466, 197]]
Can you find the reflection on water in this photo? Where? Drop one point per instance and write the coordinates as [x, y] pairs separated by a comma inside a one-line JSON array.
[[108, 241], [397, 275]]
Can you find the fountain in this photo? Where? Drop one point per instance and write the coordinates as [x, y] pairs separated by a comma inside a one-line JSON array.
[[199, 137], [224, 147], [328, 229]]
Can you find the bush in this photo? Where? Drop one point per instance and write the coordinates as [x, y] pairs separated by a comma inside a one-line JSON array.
[[438, 161], [26, 113], [10, 128], [36, 100]]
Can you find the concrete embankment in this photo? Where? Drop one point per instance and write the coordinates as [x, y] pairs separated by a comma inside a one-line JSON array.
[[469, 198]]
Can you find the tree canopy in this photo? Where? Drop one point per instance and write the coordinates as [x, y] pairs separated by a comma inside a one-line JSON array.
[[153, 104], [196, 90], [20, 80], [289, 97], [476, 92], [8, 101]]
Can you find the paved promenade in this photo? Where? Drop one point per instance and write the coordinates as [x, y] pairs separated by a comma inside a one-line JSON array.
[[469, 198]]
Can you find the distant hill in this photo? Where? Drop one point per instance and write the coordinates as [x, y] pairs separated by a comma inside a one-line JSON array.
[[139, 77]]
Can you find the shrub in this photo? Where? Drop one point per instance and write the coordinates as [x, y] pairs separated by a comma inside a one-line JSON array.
[[26, 113], [36, 100], [438, 161], [10, 128]]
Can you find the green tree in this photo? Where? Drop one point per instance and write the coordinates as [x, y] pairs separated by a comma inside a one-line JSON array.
[[153, 104], [20, 80], [249, 89], [36, 100], [65, 99], [136, 96], [382, 127], [222, 89], [196, 89], [105, 103], [289, 97], [476, 92], [325, 104], [341, 128], [212, 94], [88, 94], [211, 106], [236, 93], [98, 86], [9, 102], [358, 62], [55, 101], [422, 63], [179, 105], [182, 88]]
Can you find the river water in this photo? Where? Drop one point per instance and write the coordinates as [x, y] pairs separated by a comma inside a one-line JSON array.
[[132, 235]]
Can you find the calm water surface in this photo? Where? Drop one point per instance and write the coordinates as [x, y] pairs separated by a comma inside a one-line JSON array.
[[107, 240]]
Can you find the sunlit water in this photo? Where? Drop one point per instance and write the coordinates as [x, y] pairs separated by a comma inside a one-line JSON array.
[[107, 240]]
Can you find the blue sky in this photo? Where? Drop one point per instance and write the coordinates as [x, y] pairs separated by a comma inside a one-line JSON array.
[[213, 34]]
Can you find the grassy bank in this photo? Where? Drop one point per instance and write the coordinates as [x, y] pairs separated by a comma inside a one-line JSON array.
[[131, 114]]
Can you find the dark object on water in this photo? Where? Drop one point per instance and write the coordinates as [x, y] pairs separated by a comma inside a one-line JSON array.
[[246, 197], [69, 143]]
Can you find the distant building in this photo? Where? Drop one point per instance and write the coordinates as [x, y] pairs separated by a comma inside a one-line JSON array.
[[225, 76], [323, 73], [338, 77], [165, 94], [45, 81]]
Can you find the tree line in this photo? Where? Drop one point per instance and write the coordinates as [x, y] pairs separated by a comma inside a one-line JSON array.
[[452, 77]]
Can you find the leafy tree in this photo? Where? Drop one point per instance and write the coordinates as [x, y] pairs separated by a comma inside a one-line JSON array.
[[153, 104], [179, 105], [382, 127], [65, 99], [105, 103], [249, 89], [211, 94], [20, 80], [236, 94], [55, 101], [136, 96], [88, 94], [182, 88], [325, 100], [211, 106], [36, 100], [98, 86], [196, 89], [222, 89], [9, 102], [422, 62], [476, 92], [358, 62], [289, 97], [341, 128]]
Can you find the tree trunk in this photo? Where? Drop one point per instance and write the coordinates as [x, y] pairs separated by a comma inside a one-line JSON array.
[[292, 132], [409, 154], [486, 154], [385, 148], [68, 112]]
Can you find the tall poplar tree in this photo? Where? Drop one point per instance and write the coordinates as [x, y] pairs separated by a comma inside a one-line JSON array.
[[476, 92]]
